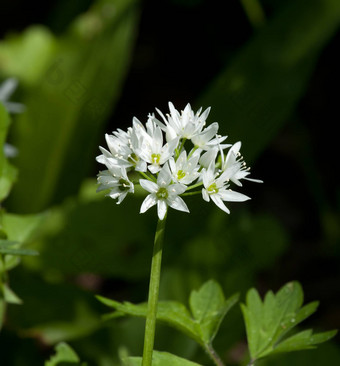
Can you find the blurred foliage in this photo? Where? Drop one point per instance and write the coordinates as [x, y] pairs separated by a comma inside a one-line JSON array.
[[71, 83]]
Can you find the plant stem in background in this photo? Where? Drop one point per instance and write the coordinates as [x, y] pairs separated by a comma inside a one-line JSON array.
[[254, 12], [213, 355], [150, 325]]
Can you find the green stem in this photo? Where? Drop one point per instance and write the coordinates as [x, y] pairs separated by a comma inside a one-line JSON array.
[[194, 186], [254, 12], [150, 326], [191, 193], [213, 355], [148, 176]]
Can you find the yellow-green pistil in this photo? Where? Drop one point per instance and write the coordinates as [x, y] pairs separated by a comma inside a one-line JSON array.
[[180, 174], [162, 193], [212, 188], [155, 158]]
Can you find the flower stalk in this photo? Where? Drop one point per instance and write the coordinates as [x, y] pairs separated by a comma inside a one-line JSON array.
[[150, 325]]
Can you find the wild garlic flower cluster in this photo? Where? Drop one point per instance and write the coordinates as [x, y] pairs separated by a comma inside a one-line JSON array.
[[172, 156]]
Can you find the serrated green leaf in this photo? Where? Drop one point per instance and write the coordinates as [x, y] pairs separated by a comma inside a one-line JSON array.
[[268, 321], [160, 359], [252, 314], [64, 353], [207, 314], [173, 313], [208, 306], [303, 340]]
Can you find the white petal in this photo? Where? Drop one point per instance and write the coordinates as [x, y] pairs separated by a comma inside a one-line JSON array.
[[254, 180], [177, 188], [148, 185], [164, 176], [205, 195], [149, 201], [178, 204], [154, 168], [161, 209], [232, 196], [219, 203]]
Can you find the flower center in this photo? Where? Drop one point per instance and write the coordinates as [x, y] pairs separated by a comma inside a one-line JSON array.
[[180, 174], [123, 185], [162, 193], [212, 189], [155, 158]]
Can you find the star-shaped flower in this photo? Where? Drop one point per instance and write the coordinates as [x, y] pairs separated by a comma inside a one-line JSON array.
[[216, 188], [185, 124], [163, 193], [115, 179]]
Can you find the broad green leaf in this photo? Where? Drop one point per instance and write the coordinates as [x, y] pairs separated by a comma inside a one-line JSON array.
[[257, 92], [267, 322], [73, 91], [173, 313], [208, 306], [160, 359], [64, 354]]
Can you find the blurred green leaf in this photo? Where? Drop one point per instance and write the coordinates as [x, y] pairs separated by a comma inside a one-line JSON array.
[[160, 359], [27, 56], [8, 173], [22, 228], [70, 94], [257, 92], [64, 354], [10, 296], [267, 322]]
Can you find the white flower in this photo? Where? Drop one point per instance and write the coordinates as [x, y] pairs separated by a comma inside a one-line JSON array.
[[163, 193], [115, 179], [235, 166], [151, 148], [204, 140], [122, 148], [7, 88], [217, 188], [185, 124], [184, 170]]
